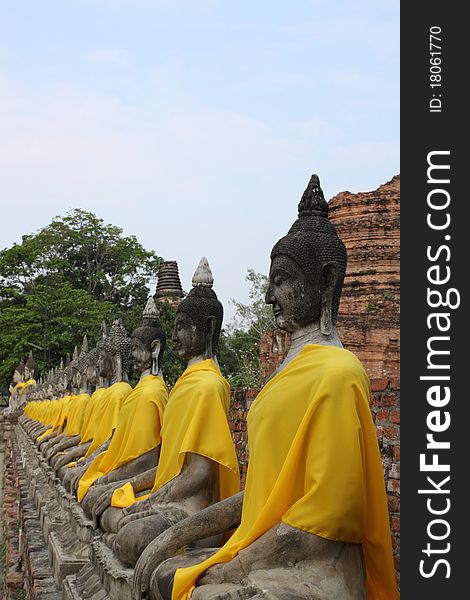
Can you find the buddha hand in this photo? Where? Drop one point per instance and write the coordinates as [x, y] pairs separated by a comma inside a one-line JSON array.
[[229, 572], [138, 510], [102, 503]]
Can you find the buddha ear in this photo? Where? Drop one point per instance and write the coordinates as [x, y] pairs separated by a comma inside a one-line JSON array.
[[155, 349], [210, 328], [328, 280], [118, 368]]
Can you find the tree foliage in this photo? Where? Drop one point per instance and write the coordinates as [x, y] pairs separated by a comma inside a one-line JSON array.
[[240, 340], [59, 283]]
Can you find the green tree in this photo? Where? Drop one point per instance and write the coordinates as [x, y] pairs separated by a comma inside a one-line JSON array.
[[239, 341], [172, 365], [60, 282]]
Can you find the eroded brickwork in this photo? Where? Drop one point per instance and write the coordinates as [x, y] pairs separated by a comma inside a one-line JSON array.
[[369, 225]]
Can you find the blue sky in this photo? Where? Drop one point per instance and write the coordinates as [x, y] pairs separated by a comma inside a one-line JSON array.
[[194, 125]]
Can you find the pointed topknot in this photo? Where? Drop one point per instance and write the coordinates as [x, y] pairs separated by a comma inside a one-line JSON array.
[[203, 275], [150, 310], [313, 201], [84, 344], [75, 354], [104, 329]]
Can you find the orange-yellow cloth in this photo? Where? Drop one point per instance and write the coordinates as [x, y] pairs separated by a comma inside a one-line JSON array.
[[18, 387], [60, 419], [107, 418], [315, 465], [75, 416], [137, 431], [195, 421], [88, 426], [26, 385], [64, 415]]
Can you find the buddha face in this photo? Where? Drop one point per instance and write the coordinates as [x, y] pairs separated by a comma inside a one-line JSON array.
[[295, 300], [188, 339], [17, 377], [105, 365], [76, 378], [141, 355], [92, 373]]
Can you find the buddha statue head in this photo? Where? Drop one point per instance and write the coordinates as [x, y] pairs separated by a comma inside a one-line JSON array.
[[31, 370], [49, 384], [114, 354], [71, 373], [148, 341], [18, 374], [307, 268], [91, 370], [82, 365], [199, 317]]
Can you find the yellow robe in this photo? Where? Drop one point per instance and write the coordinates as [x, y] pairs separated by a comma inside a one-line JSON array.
[[315, 465], [26, 386], [75, 417], [137, 431], [107, 418], [18, 387], [195, 421], [88, 426], [60, 419]]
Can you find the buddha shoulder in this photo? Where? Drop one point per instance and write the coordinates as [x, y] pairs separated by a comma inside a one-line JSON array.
[[340, 363]]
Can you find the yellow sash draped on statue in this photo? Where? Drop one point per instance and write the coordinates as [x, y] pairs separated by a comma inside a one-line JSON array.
[[315, 465], [64, 415], [26, 386], [75, 416], [107, 418], [137, 431], [88, 426], [60, 419], [195, 421], [18, 387]]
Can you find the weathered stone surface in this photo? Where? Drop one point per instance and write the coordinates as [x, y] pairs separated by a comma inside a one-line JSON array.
[[369, 225], [168, 283]]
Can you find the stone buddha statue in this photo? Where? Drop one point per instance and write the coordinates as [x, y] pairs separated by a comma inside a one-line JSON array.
[[113, 365], [198, 465], [314, 509], [31, 373], [77, 409], [48, 443], [90, 379], [135, 446], [36, 428], [18, 384]]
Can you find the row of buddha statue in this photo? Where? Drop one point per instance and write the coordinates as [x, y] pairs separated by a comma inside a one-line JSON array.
[[24, 377], [157, 472]]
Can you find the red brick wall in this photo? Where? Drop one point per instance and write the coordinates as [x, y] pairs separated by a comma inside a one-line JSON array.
[[369, 314], [273, 348]]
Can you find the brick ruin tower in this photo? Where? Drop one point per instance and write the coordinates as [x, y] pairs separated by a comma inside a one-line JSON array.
[[168, 283], [368, 321]]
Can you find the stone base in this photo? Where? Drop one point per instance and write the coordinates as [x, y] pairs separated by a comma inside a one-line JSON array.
[[116, 578], [85, 584], [64, 562]]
